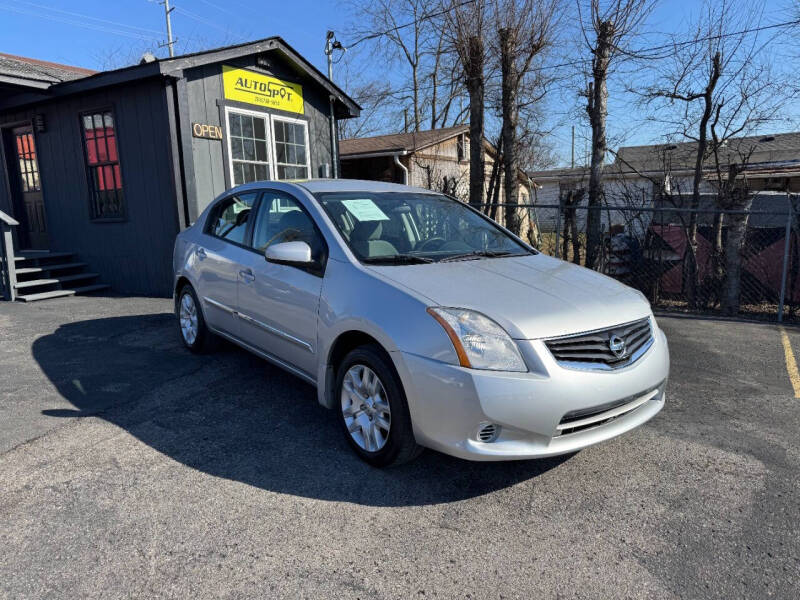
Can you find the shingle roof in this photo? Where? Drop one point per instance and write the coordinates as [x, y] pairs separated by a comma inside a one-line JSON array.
[[21, 67], [398, 142], [766, 150]]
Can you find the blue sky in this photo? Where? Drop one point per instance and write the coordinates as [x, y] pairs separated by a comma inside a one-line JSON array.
[[110, 33]]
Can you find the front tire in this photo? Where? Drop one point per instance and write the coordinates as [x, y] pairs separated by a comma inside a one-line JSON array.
[[373, 409], [192, 327]]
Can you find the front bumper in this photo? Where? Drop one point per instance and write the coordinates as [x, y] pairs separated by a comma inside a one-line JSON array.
[[449, 403]]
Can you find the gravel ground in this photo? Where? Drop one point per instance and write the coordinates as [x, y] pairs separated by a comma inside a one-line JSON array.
[[130, 468]]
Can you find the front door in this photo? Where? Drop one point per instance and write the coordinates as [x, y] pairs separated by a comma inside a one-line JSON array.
[[278, 303], [29, 203]]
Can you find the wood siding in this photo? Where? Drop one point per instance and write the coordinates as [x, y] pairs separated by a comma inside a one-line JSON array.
[[134, 255], [203, 95]]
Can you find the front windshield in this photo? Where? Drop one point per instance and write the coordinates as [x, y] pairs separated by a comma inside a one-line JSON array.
[[405, 228]]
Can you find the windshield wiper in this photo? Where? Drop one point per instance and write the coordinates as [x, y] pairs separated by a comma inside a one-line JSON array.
[[475, 254], [397, 259]]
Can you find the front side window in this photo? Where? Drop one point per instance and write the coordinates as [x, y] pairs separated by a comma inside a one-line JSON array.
[[106, 198], [229, 219], [398, 227], [290, 149], [282, 219], [248, 147]]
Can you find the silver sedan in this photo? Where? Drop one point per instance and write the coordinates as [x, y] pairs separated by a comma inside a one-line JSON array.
[[421, 322]]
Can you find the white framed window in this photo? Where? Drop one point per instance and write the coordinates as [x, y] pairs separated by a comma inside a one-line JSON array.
[[291, 148], [249, 148]]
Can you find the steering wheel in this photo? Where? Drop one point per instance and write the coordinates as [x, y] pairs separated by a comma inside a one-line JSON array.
[[430, 242]]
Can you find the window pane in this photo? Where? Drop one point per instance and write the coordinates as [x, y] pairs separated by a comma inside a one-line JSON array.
[[104, 174], [261, 151], [236, 148], [249, 149], [247, 126], [301, 155], [91, 151], [235, 124], [260, 132]]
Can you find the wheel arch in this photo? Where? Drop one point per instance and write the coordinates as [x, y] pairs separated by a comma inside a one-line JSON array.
[[179, 285], [339, 348]]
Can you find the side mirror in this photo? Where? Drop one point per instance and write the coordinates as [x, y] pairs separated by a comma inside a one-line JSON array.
[[289, 253]]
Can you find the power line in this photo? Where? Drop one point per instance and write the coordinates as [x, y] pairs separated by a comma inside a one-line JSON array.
[[580, 62], [93, 26], [200, 19], [220, 8], [83, 16], [424, 17]]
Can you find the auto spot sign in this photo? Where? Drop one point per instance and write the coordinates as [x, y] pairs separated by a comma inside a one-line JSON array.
[[242, 85]]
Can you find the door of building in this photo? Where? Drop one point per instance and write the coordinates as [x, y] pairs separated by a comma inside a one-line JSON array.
[[27, 188]]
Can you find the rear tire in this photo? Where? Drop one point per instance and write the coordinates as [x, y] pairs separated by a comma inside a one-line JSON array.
[[372, 407], [192, 327]]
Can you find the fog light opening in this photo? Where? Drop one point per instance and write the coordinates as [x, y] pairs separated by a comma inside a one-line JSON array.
[[488, 432]]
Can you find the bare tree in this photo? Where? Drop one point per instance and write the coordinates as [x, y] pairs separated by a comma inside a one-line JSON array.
[[525, 30], [722, 81], [468, 26], [400, 30], [607, 31]]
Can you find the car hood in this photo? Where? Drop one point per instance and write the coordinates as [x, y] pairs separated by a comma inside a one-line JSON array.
[[531, 297]]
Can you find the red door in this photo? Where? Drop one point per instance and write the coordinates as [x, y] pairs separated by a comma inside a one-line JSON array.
[[33, 225]]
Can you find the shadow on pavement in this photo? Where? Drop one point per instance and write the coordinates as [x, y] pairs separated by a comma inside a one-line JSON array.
[[235, 416]]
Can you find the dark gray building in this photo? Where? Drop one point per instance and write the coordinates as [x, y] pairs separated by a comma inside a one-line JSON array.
[[103, 169]]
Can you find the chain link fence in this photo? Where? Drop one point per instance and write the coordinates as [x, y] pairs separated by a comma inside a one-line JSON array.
[[741, 263]]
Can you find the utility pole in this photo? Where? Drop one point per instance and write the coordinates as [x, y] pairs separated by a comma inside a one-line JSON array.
[[170, 42], [572, 161], [331, 44]]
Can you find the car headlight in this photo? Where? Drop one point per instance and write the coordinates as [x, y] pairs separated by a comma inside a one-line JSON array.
[[480, 343]]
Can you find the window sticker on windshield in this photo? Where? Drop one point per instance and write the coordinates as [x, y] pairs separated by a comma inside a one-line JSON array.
[[364, 209]]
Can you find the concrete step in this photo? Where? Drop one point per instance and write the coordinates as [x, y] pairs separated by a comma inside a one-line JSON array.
[[61, 293], [55, 280], [43, 268]]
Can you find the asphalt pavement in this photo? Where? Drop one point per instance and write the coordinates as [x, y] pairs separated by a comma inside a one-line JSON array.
[[131, 468]]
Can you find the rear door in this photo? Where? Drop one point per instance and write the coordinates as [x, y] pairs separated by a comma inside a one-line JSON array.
[[219, 258], [278, 303]]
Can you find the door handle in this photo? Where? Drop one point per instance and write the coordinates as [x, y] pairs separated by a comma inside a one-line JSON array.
[[201, 253], [247, 275]]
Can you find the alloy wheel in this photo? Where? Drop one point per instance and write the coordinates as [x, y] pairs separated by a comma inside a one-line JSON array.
[[365, 408], [188, 318]]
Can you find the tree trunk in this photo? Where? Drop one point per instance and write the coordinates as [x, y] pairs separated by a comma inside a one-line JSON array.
[[690, 264], [597, 107], [493, 193], [475, 88], [510, 112], [737, 233]]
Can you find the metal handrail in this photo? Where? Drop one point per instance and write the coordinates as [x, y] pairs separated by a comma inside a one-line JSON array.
[[8, 271]]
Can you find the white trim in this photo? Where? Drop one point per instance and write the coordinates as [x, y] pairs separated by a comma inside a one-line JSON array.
[[304, 123], [267, 131]]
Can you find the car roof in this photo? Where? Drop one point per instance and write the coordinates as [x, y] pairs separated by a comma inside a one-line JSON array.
[[315, 186]]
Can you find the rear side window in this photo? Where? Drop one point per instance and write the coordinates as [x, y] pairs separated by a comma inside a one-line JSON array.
[[230, 217]]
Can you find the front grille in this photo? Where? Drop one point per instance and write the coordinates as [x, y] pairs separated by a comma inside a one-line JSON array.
[[594, 349]]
